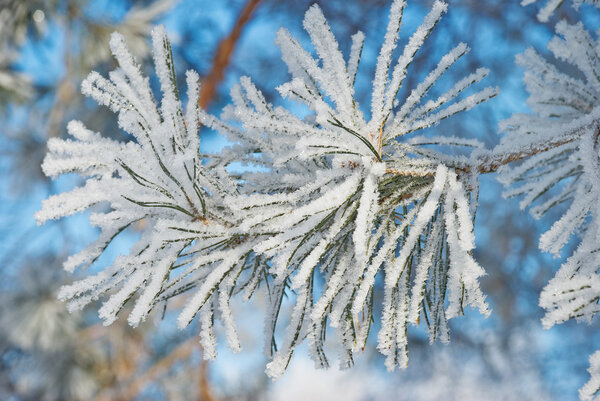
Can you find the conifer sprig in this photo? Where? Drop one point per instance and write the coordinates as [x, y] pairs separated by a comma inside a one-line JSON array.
[[335, 198]]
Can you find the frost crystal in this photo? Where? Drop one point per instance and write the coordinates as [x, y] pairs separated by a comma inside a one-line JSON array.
[[562, 140], [333, 201]]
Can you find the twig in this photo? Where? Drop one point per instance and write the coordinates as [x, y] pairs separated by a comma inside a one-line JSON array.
[[223, 54], [491, 162]]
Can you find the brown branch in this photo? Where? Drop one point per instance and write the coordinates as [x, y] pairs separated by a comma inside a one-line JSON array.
[[204, 393], [490, 163], [223, 54], [181, 352]]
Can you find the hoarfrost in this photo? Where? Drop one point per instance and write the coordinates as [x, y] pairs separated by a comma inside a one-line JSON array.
[[339, 197]]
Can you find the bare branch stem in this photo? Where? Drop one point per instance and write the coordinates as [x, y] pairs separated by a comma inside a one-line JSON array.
[[223, 54]]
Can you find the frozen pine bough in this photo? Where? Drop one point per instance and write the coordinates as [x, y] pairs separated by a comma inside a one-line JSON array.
[[158, 179], [562, 167], [552, 5], [355, 198], [332, 201]]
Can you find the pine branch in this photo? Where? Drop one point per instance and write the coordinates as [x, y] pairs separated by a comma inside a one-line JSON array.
[[339, 197], [223, 55], [489, 161]]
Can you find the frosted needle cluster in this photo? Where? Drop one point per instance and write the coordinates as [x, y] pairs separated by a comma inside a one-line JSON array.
[[336, 208], [563, 171]]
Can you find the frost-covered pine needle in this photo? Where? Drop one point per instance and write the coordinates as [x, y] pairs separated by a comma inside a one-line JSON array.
[[562, 140], [335, 199]]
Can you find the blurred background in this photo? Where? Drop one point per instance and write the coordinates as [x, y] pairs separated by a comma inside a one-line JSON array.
[[48, 46]]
